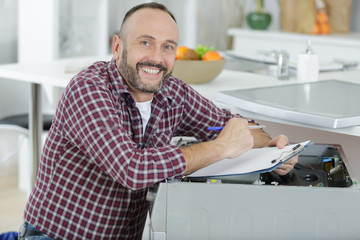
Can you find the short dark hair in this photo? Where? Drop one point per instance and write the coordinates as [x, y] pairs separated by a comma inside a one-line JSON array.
[[152, 5]]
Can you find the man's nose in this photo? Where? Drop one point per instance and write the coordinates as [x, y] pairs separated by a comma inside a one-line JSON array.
[[157, 55]]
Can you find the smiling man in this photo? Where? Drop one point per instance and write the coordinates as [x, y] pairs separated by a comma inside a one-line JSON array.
[[111, 137]]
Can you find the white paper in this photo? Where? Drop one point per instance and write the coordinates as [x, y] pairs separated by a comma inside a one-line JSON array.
[[255, 160]]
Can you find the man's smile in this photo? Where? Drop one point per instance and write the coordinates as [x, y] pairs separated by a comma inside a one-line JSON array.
[[150, 70], [150, 67]]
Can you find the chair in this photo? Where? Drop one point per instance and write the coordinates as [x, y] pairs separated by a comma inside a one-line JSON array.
[[14, 124], [14, 147], [14, 139]]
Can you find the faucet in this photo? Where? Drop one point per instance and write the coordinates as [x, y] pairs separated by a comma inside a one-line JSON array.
[[282, 59]]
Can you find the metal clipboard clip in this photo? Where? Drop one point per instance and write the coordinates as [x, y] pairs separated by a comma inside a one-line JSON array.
[[286, 155]]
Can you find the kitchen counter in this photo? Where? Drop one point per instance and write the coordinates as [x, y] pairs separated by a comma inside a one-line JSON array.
[[230, 80]]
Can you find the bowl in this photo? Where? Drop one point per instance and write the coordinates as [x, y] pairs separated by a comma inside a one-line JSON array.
[[197, 71]]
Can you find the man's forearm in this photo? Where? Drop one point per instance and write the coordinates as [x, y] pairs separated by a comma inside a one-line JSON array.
[[233, 140], [261, 138], [200, 155]]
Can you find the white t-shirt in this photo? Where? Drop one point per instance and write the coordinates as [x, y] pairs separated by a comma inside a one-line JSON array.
[[145, 111]]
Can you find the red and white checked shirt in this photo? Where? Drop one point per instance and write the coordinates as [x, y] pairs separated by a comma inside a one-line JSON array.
[[96, 164]]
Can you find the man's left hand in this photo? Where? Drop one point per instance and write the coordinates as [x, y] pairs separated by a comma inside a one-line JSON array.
[[281, 141]]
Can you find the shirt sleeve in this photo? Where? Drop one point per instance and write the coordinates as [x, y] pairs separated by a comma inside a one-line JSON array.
[[91, 122], [202, 113]]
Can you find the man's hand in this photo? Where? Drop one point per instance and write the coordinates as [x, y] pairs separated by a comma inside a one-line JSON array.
[[235, 138], [281, 141]]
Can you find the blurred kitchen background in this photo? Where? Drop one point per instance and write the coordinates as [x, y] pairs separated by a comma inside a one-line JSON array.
[[44, 30], [86, 27]]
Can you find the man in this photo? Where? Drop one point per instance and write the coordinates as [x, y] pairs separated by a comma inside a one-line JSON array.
[[110, 138]]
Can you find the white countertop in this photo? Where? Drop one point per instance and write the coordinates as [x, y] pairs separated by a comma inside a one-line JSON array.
[[56, 73], [229, 80]]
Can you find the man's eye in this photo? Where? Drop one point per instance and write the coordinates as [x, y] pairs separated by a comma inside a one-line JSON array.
[[169, 47], [145, 43]]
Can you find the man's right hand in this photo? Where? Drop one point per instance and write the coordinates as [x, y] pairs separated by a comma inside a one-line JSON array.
[[235, 138]]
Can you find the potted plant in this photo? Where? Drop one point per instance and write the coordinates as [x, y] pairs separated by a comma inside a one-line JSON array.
[[258, 20]]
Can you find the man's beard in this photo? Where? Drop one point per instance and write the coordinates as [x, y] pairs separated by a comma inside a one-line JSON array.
[[133, 78]]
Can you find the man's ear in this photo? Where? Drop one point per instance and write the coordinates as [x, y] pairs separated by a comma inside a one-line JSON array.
[[117, 47]]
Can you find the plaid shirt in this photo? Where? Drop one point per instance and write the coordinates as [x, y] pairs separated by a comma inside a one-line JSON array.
[[96, 164]]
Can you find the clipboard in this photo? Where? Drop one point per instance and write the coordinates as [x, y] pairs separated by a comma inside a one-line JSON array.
[[257, 160]]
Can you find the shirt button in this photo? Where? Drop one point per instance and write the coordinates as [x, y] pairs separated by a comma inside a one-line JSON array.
[[139, 145], [137, 120]]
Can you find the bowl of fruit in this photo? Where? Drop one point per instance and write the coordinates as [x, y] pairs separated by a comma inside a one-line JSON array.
[[196, 66]]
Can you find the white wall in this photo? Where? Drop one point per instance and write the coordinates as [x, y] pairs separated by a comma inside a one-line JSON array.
[[212, 17], [8, 30], [9, 102], [83, 27], [14, 95], [187, 30]]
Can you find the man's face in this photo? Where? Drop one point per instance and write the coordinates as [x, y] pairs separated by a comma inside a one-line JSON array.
[[132, 75], [146, 54]]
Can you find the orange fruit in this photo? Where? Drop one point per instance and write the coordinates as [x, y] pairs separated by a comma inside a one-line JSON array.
[[316, 29], [325, 28], [211, 56], [322, 17], [180, 51]]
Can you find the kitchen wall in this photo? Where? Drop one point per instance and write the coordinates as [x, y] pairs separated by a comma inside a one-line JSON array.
[[8, 53], [212, 17], [8, 29], [14, 95]]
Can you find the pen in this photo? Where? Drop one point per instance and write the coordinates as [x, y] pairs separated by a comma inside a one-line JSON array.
[[250, 127]]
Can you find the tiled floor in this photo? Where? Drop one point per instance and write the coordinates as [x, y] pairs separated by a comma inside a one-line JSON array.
[[12, 203]]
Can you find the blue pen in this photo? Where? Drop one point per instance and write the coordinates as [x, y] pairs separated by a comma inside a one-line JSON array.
[[250, 127]]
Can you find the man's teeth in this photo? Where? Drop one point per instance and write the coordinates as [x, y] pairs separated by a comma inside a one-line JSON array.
[[151, 71]]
